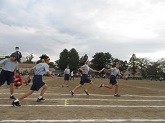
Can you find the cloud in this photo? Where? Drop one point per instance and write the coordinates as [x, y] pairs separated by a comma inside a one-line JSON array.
[[121, 27]]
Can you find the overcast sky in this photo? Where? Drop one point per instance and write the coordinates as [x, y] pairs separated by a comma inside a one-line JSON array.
[[121, 27]]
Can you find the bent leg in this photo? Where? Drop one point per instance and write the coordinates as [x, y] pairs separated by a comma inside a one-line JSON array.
[[110, 86], [26, 95], [89, 86], [116, 88], [77, 87], [45, 87], [12, 88]]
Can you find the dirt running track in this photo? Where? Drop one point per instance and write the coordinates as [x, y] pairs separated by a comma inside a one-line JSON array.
[[140, 101]]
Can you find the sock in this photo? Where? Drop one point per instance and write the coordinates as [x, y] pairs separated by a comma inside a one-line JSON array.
[[11, 95], [40, 97], [16, 100], [103, 85]]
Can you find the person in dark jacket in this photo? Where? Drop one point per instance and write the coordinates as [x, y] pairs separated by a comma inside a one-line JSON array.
[[19, 54]]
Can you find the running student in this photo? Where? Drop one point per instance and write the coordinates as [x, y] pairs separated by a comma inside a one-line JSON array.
[[85, 79], [38, 70], [9, 67], [72, 75], [66, 76], [114, 72]]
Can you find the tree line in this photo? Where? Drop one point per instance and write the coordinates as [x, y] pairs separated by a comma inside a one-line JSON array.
[[100, 60]]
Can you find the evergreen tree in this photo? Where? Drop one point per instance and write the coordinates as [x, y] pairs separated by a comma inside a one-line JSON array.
[[73, 60], [133, 63], [64, 59]]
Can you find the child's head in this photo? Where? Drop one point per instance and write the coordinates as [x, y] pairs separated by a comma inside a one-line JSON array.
[[13, 57], [117, 65], [17, 48], [17, 73], [68, 66], [88, 62], [27, 73], [45, 59]]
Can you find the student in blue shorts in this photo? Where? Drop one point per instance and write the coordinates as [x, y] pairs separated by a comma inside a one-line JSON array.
[[114, 72], [9, 67], [66, 76], [85, 78], [39, 70]]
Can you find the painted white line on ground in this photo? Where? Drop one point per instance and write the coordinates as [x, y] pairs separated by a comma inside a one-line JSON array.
[[84, 121], [85, 99], [99, 95], [95, 106]]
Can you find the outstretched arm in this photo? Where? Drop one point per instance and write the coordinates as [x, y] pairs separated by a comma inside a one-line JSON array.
[[49, 74], [96, 71], [81, 69]]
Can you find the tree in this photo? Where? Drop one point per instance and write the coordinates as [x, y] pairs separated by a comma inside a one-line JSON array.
[[161, 67], [51, 65], [152, 69], [73, 60], [143, 63], [64, 59], [29, 58], [133, 63], [100, 60]]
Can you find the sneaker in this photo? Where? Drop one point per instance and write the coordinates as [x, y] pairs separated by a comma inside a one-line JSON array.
[[72, 93], [116, 95], [40, 100], [12, 97], [86, 92], [101, 85], [16, 104], [67, 86]]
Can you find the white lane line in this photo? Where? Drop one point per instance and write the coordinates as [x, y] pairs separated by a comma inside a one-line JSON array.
[[95, 106], [84, 121], [85, 99], [99, 95]]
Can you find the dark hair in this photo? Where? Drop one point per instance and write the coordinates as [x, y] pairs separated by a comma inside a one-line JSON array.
[[117, 63], [16, 47], [13, 55], [17, 71], [44, 56]]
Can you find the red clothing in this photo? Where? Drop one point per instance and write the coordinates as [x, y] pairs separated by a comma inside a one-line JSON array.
[[18, 79]]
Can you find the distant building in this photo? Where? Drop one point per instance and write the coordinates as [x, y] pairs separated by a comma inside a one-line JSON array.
[[129, 73]]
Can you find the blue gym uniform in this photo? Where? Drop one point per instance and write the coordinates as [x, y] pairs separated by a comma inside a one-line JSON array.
[[39, 70], [85, 78], [8, 68], [114, 72], [67, 74]]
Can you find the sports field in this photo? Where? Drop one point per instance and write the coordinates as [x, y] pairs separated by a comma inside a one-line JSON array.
[[140, 101]]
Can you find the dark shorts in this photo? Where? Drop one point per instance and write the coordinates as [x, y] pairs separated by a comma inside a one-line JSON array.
[[66, 77], [84, 79], [37, 83], [6, 76], [113, 80]]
